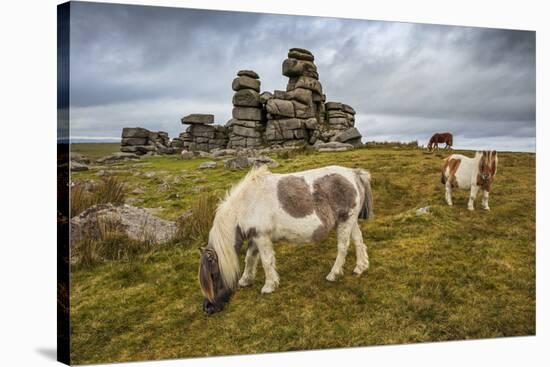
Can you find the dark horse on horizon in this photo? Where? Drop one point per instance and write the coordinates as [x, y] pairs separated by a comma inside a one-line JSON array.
[[439, 138]]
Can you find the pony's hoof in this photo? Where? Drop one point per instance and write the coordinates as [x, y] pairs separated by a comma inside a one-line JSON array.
[[266, 289], [471, 208], [245, 282], [359, 269], [486, 208], [331, 277]]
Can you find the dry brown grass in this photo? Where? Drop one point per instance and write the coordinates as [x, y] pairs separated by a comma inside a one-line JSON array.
[[109, 190], [194, 228]]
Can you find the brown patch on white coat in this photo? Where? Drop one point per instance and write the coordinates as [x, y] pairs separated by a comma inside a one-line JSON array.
[[448, 173], [332, 199]]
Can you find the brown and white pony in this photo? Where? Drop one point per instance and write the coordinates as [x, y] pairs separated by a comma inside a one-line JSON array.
[[438, 138], [297, 207], [470, 174]]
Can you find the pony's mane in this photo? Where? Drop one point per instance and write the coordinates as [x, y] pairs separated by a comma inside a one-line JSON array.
[[252, 176], [222, 235]]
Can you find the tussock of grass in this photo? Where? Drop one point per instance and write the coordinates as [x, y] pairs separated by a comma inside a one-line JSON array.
[[108, 242], [194, 229], [447, 275], [109, 190]]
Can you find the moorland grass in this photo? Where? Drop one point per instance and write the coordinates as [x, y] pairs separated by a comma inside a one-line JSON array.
[[451, 274]]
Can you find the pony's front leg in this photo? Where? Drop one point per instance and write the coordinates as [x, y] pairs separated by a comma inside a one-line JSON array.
[[485, 200], [250, 264], [267, 256], [448, 192], [344, 232], [360, 250], [473, 194]]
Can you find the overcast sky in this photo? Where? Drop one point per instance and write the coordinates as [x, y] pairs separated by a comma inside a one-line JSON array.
[[149, 66]]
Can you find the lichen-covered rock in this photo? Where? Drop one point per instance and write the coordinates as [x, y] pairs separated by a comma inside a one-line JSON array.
[[301, 54], [265, 96], [198, 118], [307, 83], [352, 136], [303, 111], [348, 109], [185, 155], [301, 95], [114, 157], [137, 223], [133, 141], [332, 146], [246, 131], [78, 167], [207, 165], [246, 98], [250, 73], [280, 108], [247, 113], [242, 161], [333, 106], [135, 132], [294, 67], [245, 82]]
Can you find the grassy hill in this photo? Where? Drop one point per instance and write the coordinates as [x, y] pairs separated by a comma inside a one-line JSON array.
[[451, 274]]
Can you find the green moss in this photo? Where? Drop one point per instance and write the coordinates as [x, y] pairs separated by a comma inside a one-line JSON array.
[[451, 274]]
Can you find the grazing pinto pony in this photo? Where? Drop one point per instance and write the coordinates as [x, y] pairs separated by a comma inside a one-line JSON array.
[[470, 173], [438, 138], [299, 207]]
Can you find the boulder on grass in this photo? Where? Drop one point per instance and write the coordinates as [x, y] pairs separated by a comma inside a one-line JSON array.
[[332, 146], [136, 223], [348, 135]]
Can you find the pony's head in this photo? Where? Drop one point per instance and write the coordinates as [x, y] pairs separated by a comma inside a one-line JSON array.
[[214, 289], [488, 162]]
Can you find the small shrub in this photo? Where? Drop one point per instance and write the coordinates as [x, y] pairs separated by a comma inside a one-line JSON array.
[[111, 190], [81, 199], [86, 252]]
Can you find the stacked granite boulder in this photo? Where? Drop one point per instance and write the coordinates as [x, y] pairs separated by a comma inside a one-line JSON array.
[[245, 129], [294, 115], [201, 135], [142, 141], [340, 124]]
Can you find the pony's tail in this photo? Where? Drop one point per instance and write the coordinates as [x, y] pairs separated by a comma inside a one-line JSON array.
[[367, 209]]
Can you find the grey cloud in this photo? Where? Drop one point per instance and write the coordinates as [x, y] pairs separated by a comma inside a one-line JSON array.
[[151, 65]]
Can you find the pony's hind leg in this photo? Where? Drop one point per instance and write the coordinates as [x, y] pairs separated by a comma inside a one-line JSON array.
[[360, 250], [265, 247], [448, 192], [250, 264], [343, 234]]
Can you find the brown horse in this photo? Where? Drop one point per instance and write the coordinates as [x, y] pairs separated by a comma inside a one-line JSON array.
[[438, 138]]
